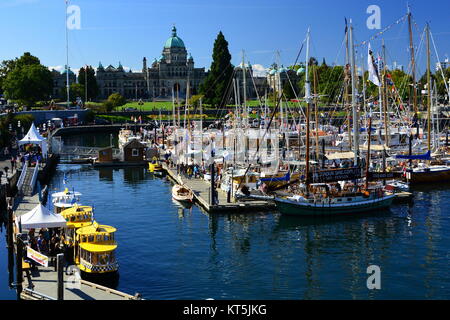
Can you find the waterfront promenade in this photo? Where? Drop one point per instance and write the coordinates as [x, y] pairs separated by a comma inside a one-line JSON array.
[[41, 282]]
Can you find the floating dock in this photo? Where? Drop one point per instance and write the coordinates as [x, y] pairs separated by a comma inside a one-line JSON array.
[[202, 195]]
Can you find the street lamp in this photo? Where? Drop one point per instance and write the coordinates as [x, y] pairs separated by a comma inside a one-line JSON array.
[[18, 127]]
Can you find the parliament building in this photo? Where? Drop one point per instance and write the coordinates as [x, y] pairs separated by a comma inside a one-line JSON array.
[[158, 80]]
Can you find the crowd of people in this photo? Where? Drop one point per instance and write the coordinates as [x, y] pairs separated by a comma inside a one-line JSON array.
[[49, 242]]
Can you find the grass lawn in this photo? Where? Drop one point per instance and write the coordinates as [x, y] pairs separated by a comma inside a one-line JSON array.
[[167, 105], [148, 106]]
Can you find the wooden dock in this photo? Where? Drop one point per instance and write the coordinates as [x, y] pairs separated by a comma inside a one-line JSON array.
[[201, 190], [45, 287]]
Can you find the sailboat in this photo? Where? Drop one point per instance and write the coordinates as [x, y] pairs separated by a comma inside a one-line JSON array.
[[332, 196], [425, 172]]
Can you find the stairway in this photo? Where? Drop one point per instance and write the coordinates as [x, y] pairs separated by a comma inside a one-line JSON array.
[[27, 189]]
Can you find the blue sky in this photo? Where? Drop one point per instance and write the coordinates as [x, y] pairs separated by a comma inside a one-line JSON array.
[[127, 30]]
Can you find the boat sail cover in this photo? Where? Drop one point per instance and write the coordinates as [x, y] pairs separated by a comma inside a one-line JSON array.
[[426, 156]]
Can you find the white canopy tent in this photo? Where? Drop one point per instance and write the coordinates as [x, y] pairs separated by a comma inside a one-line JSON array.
[[33, 137], [41, 217]]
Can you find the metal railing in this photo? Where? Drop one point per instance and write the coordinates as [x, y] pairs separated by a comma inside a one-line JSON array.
[[34, 178], [37, 295], [84, 151], [22, 176]]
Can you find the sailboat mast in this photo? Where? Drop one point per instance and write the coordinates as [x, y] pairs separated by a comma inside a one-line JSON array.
[[413, 62], [347, 62], [354, 97], [385, 106], [308, 105], [244, 84], [67, 58], [429, 87], [368, 154], [316, 112]]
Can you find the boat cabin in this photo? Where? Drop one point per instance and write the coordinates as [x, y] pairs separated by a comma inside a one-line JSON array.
[[77, 217], [64, 200]]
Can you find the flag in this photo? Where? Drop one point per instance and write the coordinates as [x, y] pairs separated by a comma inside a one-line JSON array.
[[346, 26], [373, 72], [389, 80]]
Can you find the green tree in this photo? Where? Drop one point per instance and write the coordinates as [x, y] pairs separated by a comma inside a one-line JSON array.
[[8, 66], [442, 83], [219, 77], [114, 100], [76, 91], [28, 84], [92, 86]]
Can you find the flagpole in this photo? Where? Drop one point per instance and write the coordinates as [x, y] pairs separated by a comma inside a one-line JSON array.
[[67, 58]]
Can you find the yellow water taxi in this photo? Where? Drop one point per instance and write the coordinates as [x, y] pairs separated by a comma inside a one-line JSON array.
[[95, 250], [77, 217]]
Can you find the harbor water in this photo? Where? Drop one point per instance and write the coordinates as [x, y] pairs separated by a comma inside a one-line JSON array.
[[166, 251], [170, 252]]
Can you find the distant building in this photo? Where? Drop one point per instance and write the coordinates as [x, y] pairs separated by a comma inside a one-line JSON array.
[[105, 155], [396, 66], [60, 82], [133, 151], [444, 65], [169, 73], [256, 86], [279, 76]]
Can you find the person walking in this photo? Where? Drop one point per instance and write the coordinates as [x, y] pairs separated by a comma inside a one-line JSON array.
[[13, 163]]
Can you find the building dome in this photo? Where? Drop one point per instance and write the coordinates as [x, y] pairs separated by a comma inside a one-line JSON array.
[[272, 72], [300, 71], [70, 71], [174, 41]]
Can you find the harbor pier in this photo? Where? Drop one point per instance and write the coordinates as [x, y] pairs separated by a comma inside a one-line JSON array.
[[51, 281], [202, 194]]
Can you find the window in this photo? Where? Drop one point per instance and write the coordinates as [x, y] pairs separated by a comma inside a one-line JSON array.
[[135, 152]]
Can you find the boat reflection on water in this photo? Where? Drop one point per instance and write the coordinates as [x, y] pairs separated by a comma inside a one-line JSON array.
[[294, 222], [183, 208]]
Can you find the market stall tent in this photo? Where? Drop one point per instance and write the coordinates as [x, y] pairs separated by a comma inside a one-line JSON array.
[[41, 217], [33, 137]]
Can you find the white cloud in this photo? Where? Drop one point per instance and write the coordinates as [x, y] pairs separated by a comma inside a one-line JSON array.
[[57, 68], [259, 70]]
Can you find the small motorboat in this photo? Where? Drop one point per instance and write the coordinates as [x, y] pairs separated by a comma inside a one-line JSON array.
[[182, 194], [156, 168]]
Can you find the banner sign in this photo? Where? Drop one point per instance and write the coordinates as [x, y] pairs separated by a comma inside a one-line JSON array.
[[336, 175], [37, 257], [381, 175]]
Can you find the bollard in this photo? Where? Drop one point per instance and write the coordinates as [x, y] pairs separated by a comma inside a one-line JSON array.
[[60, 266], [10, 244], [213, 186], [19, 271]]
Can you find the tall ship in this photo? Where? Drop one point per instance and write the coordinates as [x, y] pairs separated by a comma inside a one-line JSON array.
[[343, 197]]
